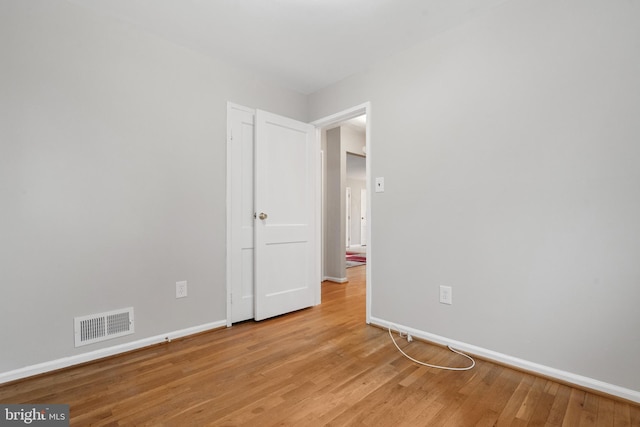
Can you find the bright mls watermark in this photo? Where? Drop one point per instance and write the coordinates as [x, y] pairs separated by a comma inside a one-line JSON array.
[[34, 415]]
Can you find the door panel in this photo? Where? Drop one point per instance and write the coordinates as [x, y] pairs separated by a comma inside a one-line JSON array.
[[363, 217], [241, 146], [348, 219], [285, 190]]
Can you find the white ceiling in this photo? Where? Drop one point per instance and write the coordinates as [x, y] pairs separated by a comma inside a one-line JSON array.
[[359, 123], [301, 44]]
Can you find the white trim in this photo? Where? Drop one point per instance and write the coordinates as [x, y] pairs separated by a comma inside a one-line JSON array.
[[504, 359], [336, 279], [349, 113], [321, 225], [230, 106], [347, 219], [344, 115], [317, 216], [65, 362], [228, 202]]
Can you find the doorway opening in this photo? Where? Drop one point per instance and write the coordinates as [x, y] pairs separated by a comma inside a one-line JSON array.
[[346, 138], [356, 210]]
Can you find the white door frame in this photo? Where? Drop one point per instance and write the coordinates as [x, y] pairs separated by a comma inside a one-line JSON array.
[[334, 119], [347, 233], [229, 263], [237, 237], [363, 217]]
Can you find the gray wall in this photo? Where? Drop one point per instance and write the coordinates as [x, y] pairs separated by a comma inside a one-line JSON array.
[[510, 152], [112, 177], [334, 231]]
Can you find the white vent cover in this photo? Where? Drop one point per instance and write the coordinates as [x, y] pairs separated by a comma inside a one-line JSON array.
[[103, 326]]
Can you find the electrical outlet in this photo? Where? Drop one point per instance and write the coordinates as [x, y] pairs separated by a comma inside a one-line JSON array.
[[181, 289], [446, 295]]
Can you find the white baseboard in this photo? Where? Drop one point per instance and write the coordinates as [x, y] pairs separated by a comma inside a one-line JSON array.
[[525, 365], [64, 362], [336, 279]]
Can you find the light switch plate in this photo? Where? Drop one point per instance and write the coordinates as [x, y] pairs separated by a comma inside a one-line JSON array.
[[380, 184]]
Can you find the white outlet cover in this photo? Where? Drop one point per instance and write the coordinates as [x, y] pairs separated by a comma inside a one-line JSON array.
[[181, 289], [446, 295]]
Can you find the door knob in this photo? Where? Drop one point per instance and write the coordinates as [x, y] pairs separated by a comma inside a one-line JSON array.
[[262, 215]]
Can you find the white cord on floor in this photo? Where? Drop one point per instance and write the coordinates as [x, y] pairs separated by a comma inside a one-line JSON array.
[[473, 362]]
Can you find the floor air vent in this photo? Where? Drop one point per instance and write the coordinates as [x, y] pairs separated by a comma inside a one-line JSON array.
[[103, 326]]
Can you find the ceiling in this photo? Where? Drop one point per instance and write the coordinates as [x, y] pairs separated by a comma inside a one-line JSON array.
[[359, 123], [304, 45]]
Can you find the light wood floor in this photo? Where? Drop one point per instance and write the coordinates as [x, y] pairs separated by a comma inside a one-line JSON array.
[[319, 366]]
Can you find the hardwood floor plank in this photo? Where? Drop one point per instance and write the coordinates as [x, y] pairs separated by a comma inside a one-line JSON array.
[[508, 414], [574, 408], [622, 415], [542, 408], [589, 410], [559, 407], [605, 413], [529, 403], [315, 367], [634, 415]]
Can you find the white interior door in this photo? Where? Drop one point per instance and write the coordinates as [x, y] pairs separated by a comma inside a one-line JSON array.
[[286, 204], [241, 168], [363, 216], [348, 223]]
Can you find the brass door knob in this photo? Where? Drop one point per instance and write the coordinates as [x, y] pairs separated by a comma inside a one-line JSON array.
[[262, 215]]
